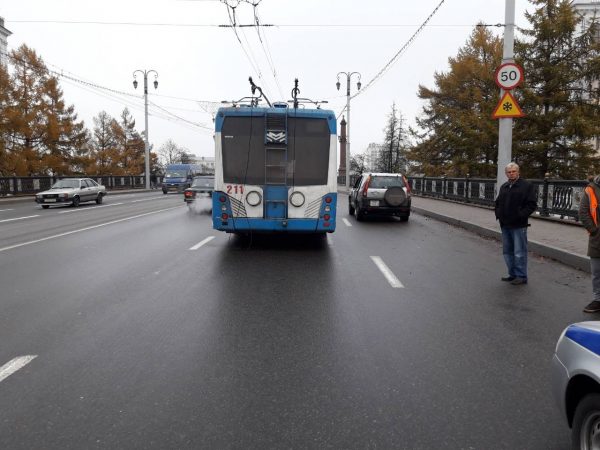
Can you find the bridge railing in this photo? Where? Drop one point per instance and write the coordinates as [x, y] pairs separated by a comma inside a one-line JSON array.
[[555, 198], [15, 186]]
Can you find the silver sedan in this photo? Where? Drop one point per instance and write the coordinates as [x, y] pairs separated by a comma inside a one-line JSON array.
[[71, 191]]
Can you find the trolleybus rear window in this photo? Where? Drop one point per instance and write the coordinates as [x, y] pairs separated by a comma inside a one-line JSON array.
[[308, 142], [308, 148], [243, 141]]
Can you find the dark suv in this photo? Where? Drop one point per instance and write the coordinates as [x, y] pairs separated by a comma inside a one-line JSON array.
[[380, 194]]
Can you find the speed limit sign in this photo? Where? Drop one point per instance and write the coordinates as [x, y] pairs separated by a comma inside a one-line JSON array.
[[509, 75]]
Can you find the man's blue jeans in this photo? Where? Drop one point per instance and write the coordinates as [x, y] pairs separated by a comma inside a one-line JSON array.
[[514, 249]]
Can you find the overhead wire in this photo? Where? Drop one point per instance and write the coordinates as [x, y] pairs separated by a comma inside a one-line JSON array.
[[399, 52], [117, 96]]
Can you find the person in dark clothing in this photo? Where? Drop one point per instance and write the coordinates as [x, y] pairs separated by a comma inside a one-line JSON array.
[[588, 215], [516, 201]]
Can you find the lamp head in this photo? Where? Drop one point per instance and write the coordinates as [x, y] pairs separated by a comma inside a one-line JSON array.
[[135, 83], [358, 85], [337, 85], [156, 84]]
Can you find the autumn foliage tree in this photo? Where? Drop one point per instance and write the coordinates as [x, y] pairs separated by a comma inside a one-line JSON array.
[[456, 134], [40, 133]]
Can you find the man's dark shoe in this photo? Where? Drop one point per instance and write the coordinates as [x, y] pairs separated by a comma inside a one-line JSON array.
[[592, 307], [518, 281], [508, 278]]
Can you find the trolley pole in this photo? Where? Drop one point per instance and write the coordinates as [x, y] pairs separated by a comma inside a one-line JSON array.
[[505, 125]]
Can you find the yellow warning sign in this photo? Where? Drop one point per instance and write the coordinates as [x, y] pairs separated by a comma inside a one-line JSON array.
[[507, 108]]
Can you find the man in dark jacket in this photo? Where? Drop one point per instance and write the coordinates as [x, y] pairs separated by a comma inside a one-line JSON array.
[[588, 215], [516, 201]]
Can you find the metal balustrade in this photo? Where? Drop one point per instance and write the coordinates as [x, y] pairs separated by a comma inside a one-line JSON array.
[[15, 186], [555, 198]]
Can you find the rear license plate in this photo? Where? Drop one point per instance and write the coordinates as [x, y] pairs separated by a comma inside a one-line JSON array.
[[374, 203], [49, 200]]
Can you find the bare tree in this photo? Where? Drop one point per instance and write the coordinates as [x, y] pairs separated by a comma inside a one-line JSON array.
[[170, 152]]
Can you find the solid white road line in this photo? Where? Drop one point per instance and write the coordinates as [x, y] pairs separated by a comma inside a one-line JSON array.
[[201, 243], [387, 273], [15, 364], [19, 218], [346, 222], [88, 209], [87, 228]]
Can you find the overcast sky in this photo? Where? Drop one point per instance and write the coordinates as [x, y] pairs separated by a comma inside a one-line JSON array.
[[196, 61]]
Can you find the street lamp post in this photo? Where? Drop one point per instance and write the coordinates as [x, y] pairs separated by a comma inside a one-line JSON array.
[[146, 142], [348, 77]]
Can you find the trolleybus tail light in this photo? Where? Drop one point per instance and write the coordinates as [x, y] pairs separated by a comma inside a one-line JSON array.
[[326, 217], [327, 199], [366, 188], [326, 224], [222, 199], [224, 216]]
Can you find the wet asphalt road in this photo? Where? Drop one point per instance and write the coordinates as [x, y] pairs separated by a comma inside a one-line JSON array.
[[142, 342]]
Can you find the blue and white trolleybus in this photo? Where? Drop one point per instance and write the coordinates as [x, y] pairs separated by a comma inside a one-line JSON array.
[[275, 169]]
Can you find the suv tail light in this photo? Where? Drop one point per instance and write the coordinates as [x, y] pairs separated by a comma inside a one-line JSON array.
[[366, 186], [406, 183]]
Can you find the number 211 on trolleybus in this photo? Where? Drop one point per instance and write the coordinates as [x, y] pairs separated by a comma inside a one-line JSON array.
[[275, 170]]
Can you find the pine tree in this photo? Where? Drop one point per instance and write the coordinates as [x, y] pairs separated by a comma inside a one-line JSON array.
[[130, 144], [392, 158], [105, 145], [65, 137], [558, 95]]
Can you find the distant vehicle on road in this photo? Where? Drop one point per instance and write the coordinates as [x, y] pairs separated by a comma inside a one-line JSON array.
[[71, 191], [178, 177], [204, 184], [380, 194], [576, 382]]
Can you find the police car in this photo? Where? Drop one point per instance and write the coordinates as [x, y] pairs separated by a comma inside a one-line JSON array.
[[576, 382]]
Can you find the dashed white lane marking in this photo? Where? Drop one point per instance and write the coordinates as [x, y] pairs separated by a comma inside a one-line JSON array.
[[18, 218], [10, 247], [15, 364], [11, 209], [387, 273], [201, 243], [88, 209], [146, 199], [346, 222]]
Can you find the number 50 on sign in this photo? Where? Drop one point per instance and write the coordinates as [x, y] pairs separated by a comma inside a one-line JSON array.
[[508, 76]]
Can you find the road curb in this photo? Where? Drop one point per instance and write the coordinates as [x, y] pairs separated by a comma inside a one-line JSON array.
[[575, 260]]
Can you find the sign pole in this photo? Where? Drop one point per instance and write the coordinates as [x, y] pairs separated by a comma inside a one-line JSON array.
[[505, 125]]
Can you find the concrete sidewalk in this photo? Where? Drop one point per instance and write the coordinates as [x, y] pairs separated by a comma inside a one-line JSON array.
[[560, 240]]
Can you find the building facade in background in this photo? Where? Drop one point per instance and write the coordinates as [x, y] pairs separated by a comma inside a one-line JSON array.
[[206, 162], [372, 156], [4, 34]]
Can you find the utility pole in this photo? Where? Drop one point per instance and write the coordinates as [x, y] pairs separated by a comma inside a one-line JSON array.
[[358, 84], [505, 125], [146, 142]]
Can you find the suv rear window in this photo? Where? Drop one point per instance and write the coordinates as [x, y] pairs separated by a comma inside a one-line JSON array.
[[379, 182]]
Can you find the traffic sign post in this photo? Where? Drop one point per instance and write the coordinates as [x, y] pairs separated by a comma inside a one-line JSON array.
[[508, 76]]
